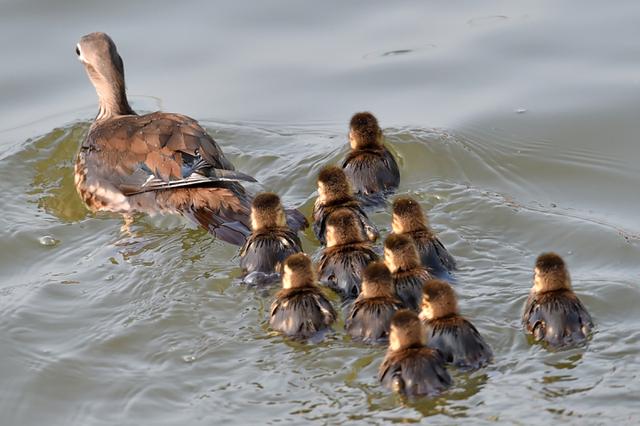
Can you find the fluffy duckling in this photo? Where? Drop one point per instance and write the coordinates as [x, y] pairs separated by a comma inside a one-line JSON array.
[[334, 193], [409, 219], [457, 339], [300, 310], [370, 315], [553, 313], [153, 163], [346, 255], [271, 240], [370, 166], [410, 367], [409, 275]]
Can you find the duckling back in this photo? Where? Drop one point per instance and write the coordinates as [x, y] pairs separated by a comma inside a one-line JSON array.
[[266, 250], [459, 342], [369, 319], [373, 174], [415, 371], [557, 318], [341, 267]]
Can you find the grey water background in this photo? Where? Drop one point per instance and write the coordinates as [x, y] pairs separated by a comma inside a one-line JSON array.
[[515, 125]]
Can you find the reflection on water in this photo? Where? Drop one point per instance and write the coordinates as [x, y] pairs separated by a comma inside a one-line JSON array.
[[51, 158]]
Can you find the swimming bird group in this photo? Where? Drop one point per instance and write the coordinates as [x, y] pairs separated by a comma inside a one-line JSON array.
[[401, 296]]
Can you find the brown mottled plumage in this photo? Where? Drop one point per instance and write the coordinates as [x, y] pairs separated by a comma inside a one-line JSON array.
[[457, 339], [158, 162], [408, 218], [334, 194], [300, 310], [553, 313], [409, 275], [346, 255], [370, 166], [409, 367], [370, 315], [271, 240]]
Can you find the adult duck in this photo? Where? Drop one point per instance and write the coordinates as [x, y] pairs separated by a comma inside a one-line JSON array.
[[153, 163]]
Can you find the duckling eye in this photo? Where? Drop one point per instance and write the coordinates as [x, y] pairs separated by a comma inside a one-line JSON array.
[[77, 51]]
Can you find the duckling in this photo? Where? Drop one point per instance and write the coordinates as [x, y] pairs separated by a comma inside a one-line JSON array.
[[410, 367], [457, 339], [153, 163], [370, 166], [370, 315], [300, 310], [409, 219], [271, 240], [409, 276], [553, 313], [334, 193], [346, 255]]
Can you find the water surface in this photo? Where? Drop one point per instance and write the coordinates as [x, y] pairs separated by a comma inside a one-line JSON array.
[[515, 125]]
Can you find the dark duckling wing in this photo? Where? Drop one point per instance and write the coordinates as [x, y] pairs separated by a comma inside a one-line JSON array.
[[266, 251], [372, 171], [557, 318], [301, 313], [415, 372], [370, 319], [322, 212], [320, 216], [408, 286], [341, 268], [459, 342], [296, 220], [433, 254]]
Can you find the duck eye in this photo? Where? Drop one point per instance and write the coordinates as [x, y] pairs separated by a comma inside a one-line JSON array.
[[77, 51]]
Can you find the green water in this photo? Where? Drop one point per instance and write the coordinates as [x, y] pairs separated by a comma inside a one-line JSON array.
[[515, 125]]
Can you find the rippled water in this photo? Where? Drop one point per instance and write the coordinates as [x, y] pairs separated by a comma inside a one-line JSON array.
[[515, 124]]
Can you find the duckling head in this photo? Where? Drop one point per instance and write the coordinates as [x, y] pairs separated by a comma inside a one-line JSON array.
[[406, 331], [364, 131], [550, 274], [343, 227], [376, 281], [104, 66], [333, 185], [297, 272], [407, 216], [438, 300], [400, 253], [267, 212]]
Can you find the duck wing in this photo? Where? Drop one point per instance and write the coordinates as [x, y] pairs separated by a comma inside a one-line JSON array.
[[154, 152]]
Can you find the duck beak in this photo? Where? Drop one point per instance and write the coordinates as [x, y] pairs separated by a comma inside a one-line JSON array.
[[79, 53]]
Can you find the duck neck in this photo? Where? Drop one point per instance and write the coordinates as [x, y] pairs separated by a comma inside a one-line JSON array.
[[112, 98], [112, 102]]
